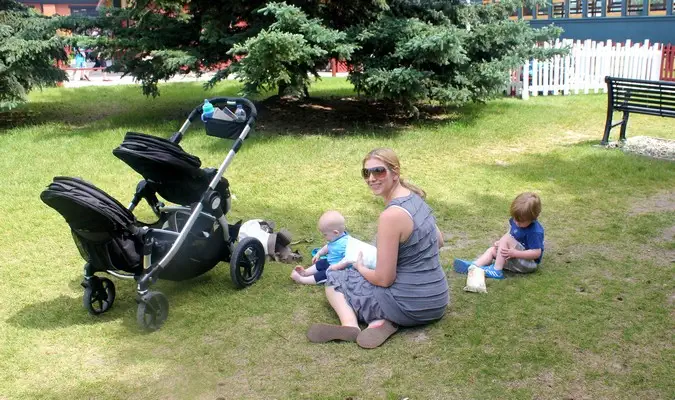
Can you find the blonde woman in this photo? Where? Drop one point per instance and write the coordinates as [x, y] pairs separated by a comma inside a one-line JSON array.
[[408, 287]]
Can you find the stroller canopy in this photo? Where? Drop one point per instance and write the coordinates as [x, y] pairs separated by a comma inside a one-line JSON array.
[[86, 207], [157, 159], [175, 174]]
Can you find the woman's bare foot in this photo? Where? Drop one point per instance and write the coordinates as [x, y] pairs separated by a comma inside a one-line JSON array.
[[376, 324]]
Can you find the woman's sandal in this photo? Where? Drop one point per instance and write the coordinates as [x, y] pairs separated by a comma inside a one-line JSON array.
[[322, 333], [371, 338]]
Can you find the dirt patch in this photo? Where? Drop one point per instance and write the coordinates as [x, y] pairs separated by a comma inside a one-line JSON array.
[[572, 137], [76, 117], [338, 115], [454, 241], [669, 234], [661, 202], [418, 337]]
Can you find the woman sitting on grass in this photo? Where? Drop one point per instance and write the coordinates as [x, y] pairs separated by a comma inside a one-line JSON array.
[[408, 287]]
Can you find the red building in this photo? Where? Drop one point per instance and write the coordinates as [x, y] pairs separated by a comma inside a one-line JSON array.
[[72, 7]]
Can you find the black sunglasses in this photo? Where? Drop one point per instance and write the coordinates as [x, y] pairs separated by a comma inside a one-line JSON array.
[[376, 172]]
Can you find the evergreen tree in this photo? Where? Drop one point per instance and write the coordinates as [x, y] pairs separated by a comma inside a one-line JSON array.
[[29, 51], [446, 51], [285, 55], [155, 40], [404, 51]]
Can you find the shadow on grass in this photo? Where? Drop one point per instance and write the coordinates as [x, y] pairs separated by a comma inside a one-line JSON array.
[[65, 311], [60, 312], [587, 170], [332, 116]]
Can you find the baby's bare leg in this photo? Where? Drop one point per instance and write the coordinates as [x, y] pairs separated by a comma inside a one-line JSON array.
[[306, 280]]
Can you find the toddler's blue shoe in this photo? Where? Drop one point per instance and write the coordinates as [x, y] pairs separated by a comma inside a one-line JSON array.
[[491, 272], [461, 266]]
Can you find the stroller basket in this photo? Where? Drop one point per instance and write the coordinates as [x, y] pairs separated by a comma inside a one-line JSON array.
[[230, 129], [224, 129]]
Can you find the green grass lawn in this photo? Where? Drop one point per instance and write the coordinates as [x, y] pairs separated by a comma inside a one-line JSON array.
[[595, 322]]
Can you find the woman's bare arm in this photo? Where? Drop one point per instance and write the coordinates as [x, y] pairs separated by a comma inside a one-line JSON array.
[[394, 226]]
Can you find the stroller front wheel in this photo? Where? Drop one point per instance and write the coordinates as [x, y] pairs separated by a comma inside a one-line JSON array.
[[247, 262], [99, 295], [153, 310]]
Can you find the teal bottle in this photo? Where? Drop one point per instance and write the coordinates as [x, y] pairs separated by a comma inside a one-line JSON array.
[[207, 110]]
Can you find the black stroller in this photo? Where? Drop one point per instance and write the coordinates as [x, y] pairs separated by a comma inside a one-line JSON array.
[[187, 240]]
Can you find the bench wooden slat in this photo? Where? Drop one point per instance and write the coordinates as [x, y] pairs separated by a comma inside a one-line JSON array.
[[649, 111], [644, 90], [666, 104], [629, 92]]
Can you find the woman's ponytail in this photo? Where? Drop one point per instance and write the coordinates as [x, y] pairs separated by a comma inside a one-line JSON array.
[[415, 189]]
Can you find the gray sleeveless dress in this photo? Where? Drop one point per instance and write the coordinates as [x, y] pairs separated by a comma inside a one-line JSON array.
[[419, 294]]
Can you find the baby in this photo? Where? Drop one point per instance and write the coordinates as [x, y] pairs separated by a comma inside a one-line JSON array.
[[340, 251]]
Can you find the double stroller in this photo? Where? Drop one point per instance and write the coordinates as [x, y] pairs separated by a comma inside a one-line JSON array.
[[188, 239]]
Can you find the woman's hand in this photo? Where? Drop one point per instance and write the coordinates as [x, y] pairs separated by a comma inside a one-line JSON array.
[[341, 265], [359, 262]]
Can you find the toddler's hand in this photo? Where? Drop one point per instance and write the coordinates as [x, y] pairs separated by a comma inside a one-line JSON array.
[[506, 253], [315, 258], [496, 244]]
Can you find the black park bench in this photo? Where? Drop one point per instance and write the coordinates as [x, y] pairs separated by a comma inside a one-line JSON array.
[[637, 96]]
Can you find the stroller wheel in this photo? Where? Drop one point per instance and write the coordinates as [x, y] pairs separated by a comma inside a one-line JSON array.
[[153, 310], [99, 295], [247, 262]]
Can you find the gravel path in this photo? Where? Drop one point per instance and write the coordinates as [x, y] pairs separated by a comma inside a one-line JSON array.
[[663, 149]]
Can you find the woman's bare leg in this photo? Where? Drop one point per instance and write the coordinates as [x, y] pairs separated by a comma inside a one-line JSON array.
[[342, 308]]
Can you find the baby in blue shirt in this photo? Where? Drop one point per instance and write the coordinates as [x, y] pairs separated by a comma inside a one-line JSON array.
[[332, 227], [340, 251], [519, 250]]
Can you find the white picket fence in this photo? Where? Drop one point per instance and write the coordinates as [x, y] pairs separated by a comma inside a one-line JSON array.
[[584, 69]]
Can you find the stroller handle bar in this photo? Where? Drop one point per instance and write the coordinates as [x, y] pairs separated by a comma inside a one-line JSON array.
[[206, 200]]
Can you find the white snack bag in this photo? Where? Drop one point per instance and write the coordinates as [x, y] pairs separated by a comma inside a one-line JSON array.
[[475, 280], [354, 246]]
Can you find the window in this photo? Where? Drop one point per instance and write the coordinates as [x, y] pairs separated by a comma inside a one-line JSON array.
[[83, 11]]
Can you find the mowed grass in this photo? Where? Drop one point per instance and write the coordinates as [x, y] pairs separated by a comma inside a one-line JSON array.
[[595, 322]]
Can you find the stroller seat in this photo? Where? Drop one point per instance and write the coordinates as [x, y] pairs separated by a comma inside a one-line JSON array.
[[173, 173], [104, 231]]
